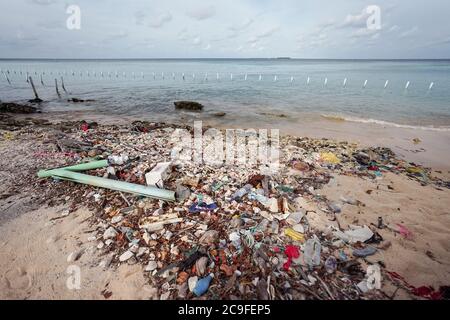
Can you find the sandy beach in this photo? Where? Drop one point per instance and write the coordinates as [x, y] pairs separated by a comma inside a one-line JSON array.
[[47, 226]]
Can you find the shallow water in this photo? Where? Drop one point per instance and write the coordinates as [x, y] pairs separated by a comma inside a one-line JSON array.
[[147, 89]]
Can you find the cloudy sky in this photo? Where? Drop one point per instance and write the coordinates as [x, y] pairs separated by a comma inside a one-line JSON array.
[[225, 28]]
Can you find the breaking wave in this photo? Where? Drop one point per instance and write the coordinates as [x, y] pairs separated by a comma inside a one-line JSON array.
[[384, 123]]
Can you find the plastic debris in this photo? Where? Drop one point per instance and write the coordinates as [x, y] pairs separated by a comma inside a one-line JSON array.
[[294, 235], [158, 174], [362, 253], [203, 285], [292, 252]]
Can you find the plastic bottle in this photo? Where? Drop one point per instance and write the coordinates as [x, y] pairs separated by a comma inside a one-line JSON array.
[[312, 252], [203, 285], [242, 192]]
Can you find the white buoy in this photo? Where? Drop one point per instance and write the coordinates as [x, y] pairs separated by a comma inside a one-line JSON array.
[[206, 76], [231, 77], [407, 85], [386, 84], [101, 73], [365, 84], [345, 82], [275, 79], [217, 76], [173, 75], [325, 82], [183, 76], [292, 79], [154, 75], [193, 76], [308, 80], [245, 78], [431, 86], [260, 77], [162, 75]]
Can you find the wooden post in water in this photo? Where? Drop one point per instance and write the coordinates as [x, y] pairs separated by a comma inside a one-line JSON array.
[[36, 96], [56, 86], [6, 77], [62, 85]]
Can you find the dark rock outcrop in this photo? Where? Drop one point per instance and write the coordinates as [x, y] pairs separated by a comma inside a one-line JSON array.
[[11, 107], [188, 105]]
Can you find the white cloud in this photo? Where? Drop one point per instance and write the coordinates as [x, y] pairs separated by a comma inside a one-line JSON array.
[[202, 13], [160, 20], [409, 32]]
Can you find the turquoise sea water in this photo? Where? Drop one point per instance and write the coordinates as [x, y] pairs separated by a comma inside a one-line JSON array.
[[245, 89]]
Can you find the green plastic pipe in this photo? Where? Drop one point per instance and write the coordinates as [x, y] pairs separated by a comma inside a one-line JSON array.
[[146, 191], [79, 167]]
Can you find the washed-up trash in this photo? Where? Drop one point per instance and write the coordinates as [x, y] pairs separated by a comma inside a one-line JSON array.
[[329, 157], [209, 237], [362, 253], [331, 264], [182, 193], [190, 260], [405, 232], [200, 266], [295, 218], [335, 207], [285, 189], [196, 207], [242, 192], [203, 285], [235, 239], [311, 252], [294, 235], [118, 160], [349, 200], [292, 252], [256, 180], [192, 283], [151, 192], [299, 228], [356, 234], [427, 292], [300, 166], [154, 223], [158, 174]]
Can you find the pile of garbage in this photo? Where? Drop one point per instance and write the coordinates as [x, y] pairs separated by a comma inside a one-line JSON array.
[[224, 232]]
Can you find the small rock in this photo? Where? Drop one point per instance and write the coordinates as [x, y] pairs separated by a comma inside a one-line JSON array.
[[116, 219], [152, 265], [209, 237], [125, 256], [110, 233]]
